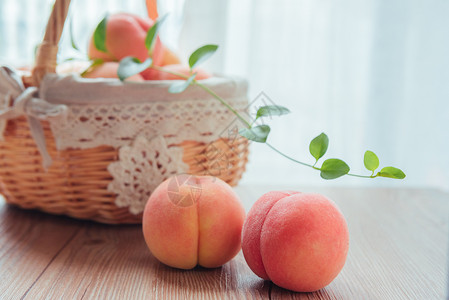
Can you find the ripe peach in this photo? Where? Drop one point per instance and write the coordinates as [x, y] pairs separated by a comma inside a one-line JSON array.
[[298, 241], [193, 220], [125, 36], [73, 66], [109, 70], [169, 57], [178, 68]]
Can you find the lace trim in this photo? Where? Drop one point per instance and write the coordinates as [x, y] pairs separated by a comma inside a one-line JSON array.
[[141, 168], [88, 126]]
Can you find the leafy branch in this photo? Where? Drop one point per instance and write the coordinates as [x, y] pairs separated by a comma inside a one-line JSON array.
[[99, 38], [130, 65], [330, 169]]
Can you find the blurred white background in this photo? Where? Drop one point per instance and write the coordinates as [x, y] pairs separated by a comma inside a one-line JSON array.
[[372, 74]]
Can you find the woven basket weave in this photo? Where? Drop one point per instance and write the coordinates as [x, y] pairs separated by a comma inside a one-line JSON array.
[[76, 183]]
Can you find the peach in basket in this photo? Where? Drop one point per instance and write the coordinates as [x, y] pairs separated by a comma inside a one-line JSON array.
[[125, 36], [97, 149]]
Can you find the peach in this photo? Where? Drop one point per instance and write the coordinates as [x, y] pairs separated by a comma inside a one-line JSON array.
[[72, 66], [178, 68], [169, 57], [299, 241], [125, 36], [193, 220], [109, 70]]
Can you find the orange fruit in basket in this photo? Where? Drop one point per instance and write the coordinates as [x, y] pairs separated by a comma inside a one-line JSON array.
[[125, 36], [169, 58], [152, 9], [109, 70], [178, 68]]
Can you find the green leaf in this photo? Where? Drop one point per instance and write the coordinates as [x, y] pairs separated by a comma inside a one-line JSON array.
[[257, 134], [93, 64], [201, 54], [391, 172], [371, 160], [36, 47], [152, 33], [130, 66], [72, 38], [318, 146], [271, 110], [333, 168], [100, 35], [70, 59], [180, 86]]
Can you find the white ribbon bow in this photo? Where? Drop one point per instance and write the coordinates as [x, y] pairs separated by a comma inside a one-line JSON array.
[[16, 101]]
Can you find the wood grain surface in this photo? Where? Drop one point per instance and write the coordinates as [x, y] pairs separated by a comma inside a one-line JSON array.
[[399, 242]]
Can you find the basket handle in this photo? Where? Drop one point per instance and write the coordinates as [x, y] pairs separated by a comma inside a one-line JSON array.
[[48, 49]]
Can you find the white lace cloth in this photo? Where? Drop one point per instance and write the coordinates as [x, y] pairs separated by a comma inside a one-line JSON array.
[[142, 166], [144, 121], [107, 112]]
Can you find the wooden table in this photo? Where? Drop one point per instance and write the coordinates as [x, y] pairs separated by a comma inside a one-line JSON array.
[[398, 250]]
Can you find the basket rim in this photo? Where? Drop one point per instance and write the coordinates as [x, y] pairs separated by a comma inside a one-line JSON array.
[[71, 89]]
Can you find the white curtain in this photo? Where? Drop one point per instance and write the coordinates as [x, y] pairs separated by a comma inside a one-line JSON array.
[[371, 74]]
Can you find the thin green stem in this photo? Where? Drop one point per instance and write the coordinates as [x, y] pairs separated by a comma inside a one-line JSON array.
[[360, 176], [170, 72], [292, 159], [212, 93], [249, 125], [208, 90], [313, 166]]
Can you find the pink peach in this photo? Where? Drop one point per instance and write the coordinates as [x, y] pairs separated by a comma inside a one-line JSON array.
[[298, 241], [109, 70], [169, 57], [176, 68], [125, 36], [193, 220]]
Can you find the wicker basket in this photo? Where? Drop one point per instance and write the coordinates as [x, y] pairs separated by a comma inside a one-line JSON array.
[[76, 182]]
